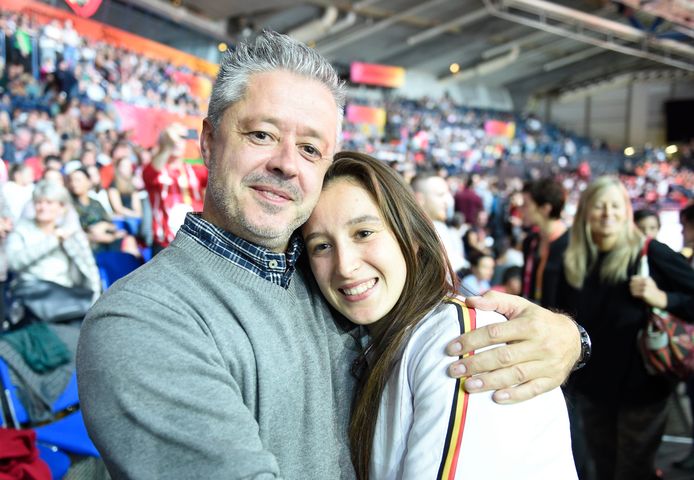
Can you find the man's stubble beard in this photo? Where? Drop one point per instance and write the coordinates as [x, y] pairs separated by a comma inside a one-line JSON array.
[[236, 221]]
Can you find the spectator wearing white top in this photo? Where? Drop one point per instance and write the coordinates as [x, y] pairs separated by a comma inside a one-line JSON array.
[[18, 189], [434, 196]]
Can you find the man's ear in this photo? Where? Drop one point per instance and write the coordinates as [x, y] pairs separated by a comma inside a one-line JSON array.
[[419, 196], [206, 139], [546, 209]]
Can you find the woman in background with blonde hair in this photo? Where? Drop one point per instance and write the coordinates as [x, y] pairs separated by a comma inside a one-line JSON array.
[[48, 252], [51, 245], [622, 406]]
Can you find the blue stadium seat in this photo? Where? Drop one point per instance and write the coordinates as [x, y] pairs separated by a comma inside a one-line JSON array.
[[69, 397], [57, 461], [146, 253], [114, 265], [129, 224], [17, 414], [68, 433]]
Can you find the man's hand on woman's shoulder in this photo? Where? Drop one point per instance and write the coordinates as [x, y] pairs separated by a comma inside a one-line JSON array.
[[541, 349]]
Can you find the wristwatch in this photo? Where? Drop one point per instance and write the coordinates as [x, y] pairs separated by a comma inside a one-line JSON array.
[[586, 348]]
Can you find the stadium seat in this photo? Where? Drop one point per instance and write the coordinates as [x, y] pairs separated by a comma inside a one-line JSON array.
[[16, 414], [68, 433], [69, 397], [114, 265], [130, 225], [146, 253], [57, 461]]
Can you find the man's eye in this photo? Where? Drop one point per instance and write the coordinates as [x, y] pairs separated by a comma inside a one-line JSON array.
[[260, 137], [311, 152]]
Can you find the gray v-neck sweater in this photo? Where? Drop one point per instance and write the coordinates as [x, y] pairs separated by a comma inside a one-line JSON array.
[[192, 367]]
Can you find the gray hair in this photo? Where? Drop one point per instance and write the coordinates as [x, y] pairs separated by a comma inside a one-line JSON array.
[[270, 51], [51, 191]]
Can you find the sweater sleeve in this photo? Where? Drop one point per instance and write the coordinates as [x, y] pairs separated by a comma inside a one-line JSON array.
[[5, 211], [160, 404], [24, 248], [675, 276], [77, 248]]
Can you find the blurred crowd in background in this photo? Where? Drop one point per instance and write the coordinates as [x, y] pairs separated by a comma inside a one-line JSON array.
[[57, 114], [59, 126]]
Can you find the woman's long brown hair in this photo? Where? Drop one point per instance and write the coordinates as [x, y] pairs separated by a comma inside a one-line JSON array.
[[430, 278]]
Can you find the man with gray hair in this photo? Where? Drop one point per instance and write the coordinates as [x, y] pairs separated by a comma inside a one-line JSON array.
[[219, 358]]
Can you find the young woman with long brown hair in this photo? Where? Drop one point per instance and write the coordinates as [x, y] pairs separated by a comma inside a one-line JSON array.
[[378, 261]]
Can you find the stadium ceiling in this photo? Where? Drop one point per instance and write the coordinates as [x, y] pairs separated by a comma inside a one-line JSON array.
[[530, 47]]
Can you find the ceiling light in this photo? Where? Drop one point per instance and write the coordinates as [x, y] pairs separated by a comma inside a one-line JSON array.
[[671, 149], [629, 151], [454, 68]]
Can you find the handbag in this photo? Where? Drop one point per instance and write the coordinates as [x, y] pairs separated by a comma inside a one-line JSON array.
[[667, 342], [51, 302]]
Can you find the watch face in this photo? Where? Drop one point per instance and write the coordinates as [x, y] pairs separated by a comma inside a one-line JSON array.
[[585, 348]]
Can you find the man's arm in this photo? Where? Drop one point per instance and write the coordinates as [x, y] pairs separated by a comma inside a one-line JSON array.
[[157, 398], [542, 348], [103, 232], [167, 145]]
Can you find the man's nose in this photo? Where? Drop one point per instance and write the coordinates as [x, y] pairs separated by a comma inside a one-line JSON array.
[[285, 159]]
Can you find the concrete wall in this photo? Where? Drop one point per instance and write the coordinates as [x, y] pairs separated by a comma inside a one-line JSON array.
[[421, 84], [473, 94], [626, 111]]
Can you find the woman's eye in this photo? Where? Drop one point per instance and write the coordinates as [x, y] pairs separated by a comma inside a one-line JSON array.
[[319, 247], [364, 233]]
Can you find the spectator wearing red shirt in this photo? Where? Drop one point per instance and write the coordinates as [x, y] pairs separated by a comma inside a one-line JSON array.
[[468, 202], [174, 186]]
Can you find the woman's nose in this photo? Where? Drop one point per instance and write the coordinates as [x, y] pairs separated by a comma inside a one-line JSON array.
[[347, 261]]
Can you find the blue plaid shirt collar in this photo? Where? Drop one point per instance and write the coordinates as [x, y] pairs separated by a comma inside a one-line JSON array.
[[275, 267]]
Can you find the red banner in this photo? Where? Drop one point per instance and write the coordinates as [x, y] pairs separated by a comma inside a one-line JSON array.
[[379, 75], [363, 114], [84, 8], [201, 87], [497, 128], [144, 125]]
